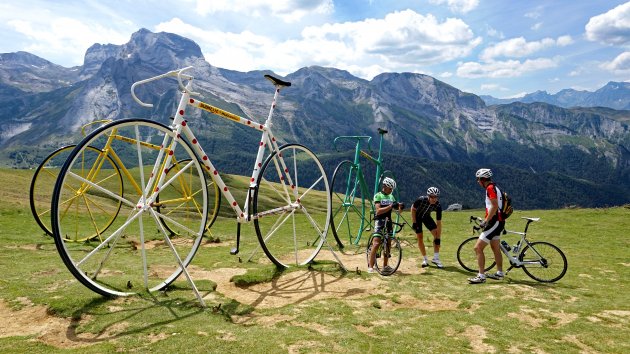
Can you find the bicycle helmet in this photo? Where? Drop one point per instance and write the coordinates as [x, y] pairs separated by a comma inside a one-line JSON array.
[[389, 182], [483, 173], [433, 191]]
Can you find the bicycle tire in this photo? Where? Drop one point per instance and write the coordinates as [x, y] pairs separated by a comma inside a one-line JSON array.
[[548, 269], [135, 252], [184, 186], [349, 206], [393, 261], [467, 257], [291, 206]]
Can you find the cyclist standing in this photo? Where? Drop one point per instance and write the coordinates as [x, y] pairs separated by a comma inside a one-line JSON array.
[[384, 202], [492, 226], [421, 214]]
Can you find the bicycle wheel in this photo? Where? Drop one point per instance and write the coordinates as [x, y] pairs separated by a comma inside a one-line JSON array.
[[543, 262], [185, 187], [42, 185], [388, 260], [291, 206], [349, 206], [135, 252], [467, 257]]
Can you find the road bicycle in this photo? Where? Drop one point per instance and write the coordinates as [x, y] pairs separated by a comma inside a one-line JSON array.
[[352, 209], [45, 176], [389, 252], [287, 199], [541, 261]]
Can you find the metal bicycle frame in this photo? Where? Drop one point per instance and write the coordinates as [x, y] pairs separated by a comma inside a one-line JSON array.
[[180, 128], [356, 166]]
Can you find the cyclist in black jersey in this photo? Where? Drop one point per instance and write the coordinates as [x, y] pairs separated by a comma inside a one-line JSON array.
[[421, 214]]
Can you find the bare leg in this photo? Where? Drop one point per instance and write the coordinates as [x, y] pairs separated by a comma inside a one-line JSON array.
[[376, 241], [436, 246], [498, 257], [423, 251], [481, 258]]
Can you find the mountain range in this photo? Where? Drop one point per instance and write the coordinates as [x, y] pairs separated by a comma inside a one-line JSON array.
[[546, 155], [614, 95]]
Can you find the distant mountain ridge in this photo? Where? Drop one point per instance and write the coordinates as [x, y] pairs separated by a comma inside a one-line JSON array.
[[614, 95], [438, 135]]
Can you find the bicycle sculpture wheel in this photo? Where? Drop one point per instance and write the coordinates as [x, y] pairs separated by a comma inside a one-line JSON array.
[[135, 251], [43, 183]]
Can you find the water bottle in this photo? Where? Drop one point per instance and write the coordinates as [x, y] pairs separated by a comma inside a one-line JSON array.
[[517, 247], [505, 245]]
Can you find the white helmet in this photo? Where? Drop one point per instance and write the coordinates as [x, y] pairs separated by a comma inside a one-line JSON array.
[[483, 173], [389, 182], [433, 191]]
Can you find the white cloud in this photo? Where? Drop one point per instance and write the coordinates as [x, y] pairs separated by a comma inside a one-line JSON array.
[[537, 26], [288, 10], [401, 41], [612, 27], [446, 74], [65, 36], [461, 6], [619, 65], [493, 87], [503, 69], [519, 47]]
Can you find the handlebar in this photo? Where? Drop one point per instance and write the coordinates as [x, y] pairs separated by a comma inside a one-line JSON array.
[[358, 138], [179, 74]]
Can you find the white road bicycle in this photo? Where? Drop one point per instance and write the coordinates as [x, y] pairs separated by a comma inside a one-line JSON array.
[[158, 230], [540, 260]]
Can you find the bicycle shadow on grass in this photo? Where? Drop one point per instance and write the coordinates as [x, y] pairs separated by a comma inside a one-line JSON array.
[[122, 317], [301, 285]]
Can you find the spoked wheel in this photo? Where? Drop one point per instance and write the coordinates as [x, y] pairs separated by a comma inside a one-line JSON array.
[[467, 257], [180, 196], [388, 257], [543, 262], [136, 251], [43, 183], [350, 208], [291, 206]]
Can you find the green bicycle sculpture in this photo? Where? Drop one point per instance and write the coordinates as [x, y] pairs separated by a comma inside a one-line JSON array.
[[352, 205]]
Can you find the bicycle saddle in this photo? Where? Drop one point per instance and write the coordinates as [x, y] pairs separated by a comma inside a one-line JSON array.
[[277, 81]]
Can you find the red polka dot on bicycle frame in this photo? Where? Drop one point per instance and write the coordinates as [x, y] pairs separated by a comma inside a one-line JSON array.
[[181, 112], [225, 189], [252, 180], [205, 158], [192, 100], [157, 189], [249, 122], [184, 123], [216, 172], [170, 152], [194, 141], [234, 203], [261, 143]]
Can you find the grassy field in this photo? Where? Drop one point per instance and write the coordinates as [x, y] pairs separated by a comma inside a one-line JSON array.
[[252, 307]]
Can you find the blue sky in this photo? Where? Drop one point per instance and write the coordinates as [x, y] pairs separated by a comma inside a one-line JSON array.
[[503, 48]]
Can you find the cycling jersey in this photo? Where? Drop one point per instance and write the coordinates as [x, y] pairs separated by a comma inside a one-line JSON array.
[[424, 208], [384, 200], [493, 192]]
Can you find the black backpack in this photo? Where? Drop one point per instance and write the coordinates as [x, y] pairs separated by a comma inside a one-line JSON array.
[[506, 210]]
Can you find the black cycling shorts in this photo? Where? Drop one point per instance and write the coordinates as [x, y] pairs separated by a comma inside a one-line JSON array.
[[428, 222], [492, 231], [379, 225]]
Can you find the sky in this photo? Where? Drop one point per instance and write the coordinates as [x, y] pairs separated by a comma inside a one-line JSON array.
[[503, 48]]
